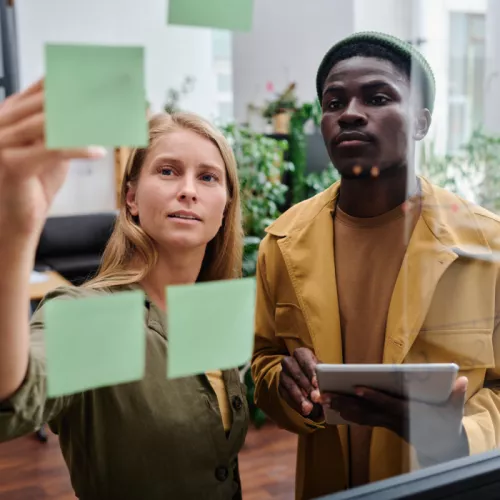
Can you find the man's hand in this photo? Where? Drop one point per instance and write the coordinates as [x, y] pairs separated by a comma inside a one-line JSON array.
[[298, 384], [435, 431]]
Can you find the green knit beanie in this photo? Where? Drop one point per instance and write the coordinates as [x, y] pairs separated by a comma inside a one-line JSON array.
[[391, 43]]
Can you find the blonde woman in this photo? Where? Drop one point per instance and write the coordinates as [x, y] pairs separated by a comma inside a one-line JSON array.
[[179, 223]]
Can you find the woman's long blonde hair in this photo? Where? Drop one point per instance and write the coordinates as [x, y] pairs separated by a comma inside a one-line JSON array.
[[131, 254]]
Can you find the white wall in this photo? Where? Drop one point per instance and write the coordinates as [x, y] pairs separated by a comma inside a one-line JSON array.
[[492, 82], [171, 54], [288, 40], [388, 16]]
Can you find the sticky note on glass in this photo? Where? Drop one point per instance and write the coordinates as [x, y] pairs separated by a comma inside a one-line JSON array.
[[95, 95], [210, 326], [94, 342], [234, 15]]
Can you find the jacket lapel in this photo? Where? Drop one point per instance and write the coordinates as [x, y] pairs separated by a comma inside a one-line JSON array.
[[309, 257], [441, 235], [425, 261]]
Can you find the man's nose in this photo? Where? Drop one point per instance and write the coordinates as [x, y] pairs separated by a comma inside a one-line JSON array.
[[353, 115]]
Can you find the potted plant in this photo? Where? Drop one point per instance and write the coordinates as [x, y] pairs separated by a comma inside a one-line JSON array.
[[279, 111]]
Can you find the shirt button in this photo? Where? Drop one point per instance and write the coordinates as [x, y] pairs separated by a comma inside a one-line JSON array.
[[237, 403], [221, 473]]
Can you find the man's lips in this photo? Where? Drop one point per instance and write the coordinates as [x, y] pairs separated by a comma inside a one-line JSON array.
[[352, 139], [352, 144]]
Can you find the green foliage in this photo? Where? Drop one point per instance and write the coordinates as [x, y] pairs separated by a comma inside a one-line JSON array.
[[316, 182], [472, 172], [275, 107], [438, 169], [298, 146], [261, 166], [480, 166], [257, 416]]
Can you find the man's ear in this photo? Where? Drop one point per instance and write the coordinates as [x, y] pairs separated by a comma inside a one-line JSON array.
[[131, 199], [422, 124]]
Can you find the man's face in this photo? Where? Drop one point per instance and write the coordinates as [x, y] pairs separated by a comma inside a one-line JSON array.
[[367, 120]]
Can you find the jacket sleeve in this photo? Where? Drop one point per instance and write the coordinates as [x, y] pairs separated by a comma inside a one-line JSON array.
[[268, 353], [482, 411], [29, 408]]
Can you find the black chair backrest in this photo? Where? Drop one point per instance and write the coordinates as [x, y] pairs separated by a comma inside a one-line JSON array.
[[75, 235]]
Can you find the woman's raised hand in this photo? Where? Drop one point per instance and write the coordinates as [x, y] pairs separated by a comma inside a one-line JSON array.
[[30, 174]]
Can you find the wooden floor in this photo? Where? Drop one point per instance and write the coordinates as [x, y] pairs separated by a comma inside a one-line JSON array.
[[36, 471]]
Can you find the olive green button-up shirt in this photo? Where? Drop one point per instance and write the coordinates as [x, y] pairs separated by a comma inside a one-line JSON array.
[[154, 439]]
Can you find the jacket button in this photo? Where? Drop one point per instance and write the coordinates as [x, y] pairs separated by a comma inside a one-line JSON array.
[[237, 403], [221, 473]]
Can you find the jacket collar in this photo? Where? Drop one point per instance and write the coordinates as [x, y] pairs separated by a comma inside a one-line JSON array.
[[451, 220]]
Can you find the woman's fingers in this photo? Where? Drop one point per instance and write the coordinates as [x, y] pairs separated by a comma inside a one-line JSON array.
[[23, 160], [29, 130], [32, 89], [22, 117], [22, 136], [90, 153], [17, 111], [38, 86]]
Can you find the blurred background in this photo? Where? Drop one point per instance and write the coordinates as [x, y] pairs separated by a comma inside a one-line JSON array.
[[259, 87]]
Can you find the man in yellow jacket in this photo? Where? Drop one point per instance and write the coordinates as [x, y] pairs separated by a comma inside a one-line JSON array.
[[382, 267]]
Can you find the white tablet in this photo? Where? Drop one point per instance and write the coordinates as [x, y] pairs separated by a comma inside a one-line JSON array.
[[428, 383]]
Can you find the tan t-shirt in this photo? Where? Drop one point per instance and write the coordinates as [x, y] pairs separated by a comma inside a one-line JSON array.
[[368, 256]]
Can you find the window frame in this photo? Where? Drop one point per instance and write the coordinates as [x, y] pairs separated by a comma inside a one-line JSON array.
[[9, 79]]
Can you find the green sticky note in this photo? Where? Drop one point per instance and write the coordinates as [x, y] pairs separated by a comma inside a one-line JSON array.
[[234, 15], [94, 342], [95, 95], [209, 326]]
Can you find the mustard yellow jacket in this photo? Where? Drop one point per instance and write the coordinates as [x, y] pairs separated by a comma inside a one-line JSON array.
[[445, 308]]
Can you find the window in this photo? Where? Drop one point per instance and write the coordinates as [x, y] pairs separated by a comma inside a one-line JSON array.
[[223, 68], [225, 111], [8, 52], [466, 76], [2, 70], [222, 45], [224, 82]]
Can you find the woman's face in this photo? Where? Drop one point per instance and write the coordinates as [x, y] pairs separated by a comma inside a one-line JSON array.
[[181, 193]]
